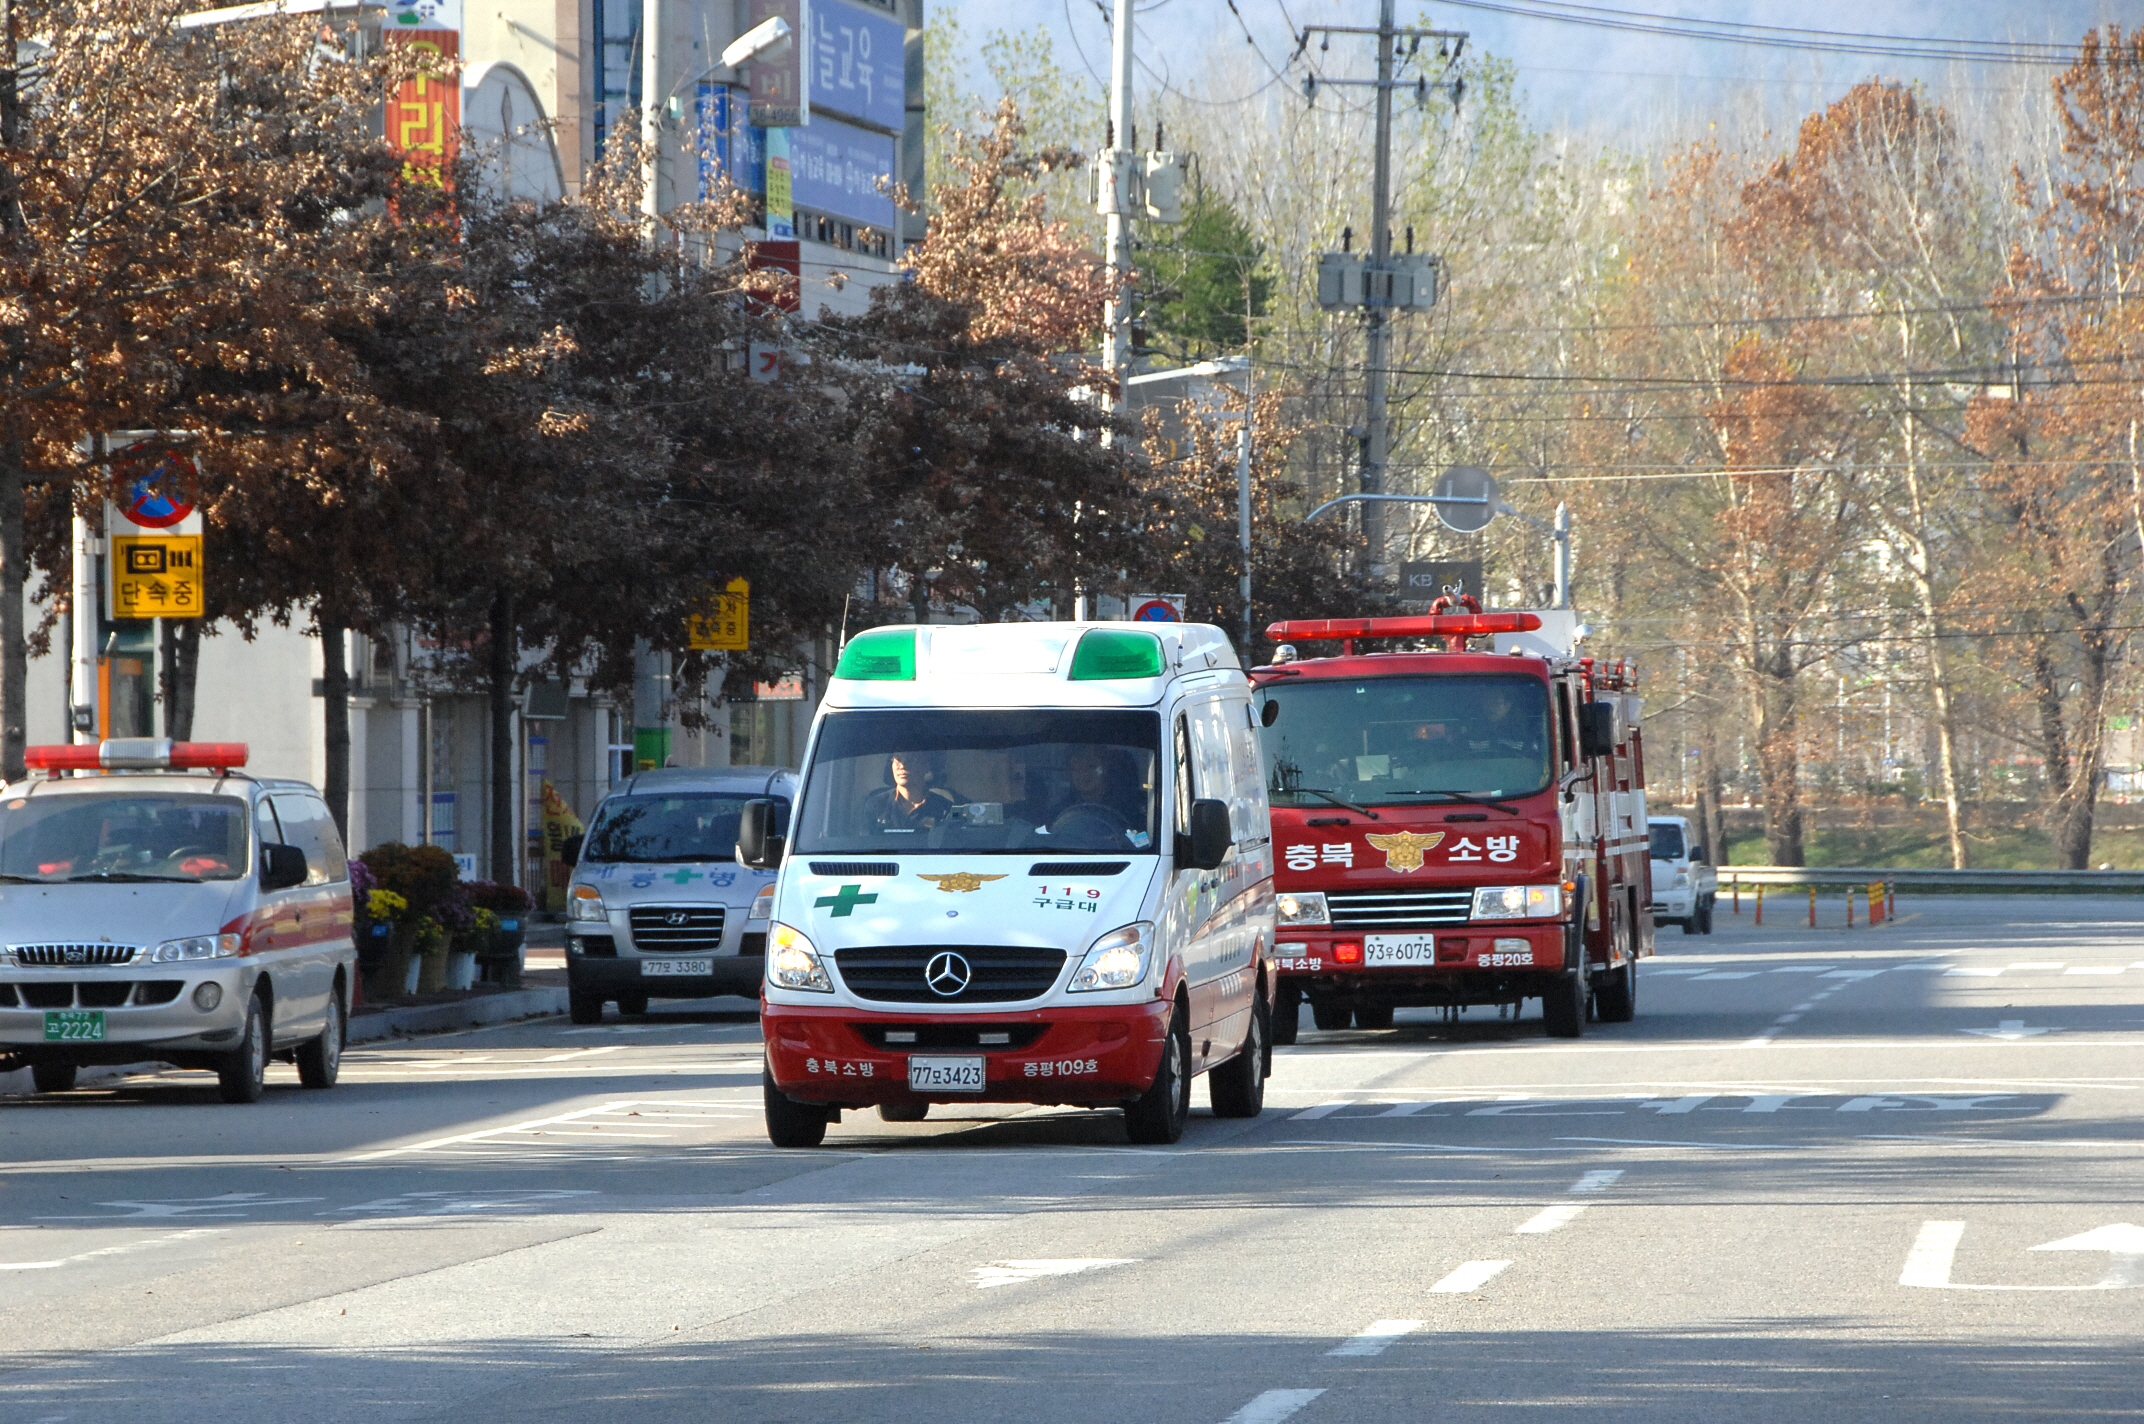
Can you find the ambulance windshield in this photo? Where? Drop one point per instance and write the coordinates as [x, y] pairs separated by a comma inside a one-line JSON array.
[[124, 838], [1016, 781], [1401, 738]]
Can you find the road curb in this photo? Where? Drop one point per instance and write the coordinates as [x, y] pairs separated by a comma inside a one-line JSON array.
[[369, 1026]]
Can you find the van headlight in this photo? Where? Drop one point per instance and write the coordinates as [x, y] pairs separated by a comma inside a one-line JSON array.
[[793, 962], [1518, 902], [1303, 908], [762, 906], [1117, 960], [587, 904], [177, 951]]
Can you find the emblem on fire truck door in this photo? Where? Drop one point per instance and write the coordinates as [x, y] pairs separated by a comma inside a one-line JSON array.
[[1403, 849]]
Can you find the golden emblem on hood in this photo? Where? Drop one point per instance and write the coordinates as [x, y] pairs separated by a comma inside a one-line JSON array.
[[1403, 849], [961, 880]]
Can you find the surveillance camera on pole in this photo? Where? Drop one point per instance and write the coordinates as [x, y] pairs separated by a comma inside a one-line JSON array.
[[759, 42]]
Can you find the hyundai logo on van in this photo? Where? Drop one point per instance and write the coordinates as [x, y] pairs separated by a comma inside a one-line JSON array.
[[947, 974], [677, 918]]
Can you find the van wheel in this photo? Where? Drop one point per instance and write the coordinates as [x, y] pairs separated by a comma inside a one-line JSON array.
[[53, 1077], [584, 1007], [1689, 924], [242, 1074], [1331, 1016], [1615, 994], [1238, 1087], [320, 1059], [1156, 1117], [1287, 1009], [1373, 1016], [1704, 916], [789, 1122], [1563, 1007], [632, 1003], [904, 1112]]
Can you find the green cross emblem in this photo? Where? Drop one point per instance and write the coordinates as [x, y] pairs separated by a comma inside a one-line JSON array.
[[681, 876], [845, 901]]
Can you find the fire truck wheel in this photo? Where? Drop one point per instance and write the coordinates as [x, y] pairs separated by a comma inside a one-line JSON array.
[[1704, 916], [1373, 1016], [789, 1122], [1287, 1008], [1156, 1117], [1331, 1016], [1563, 1007], [1238, 1087], [1615, 994]]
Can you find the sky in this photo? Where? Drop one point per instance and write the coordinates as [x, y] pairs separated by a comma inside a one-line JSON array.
[[1611, 84]]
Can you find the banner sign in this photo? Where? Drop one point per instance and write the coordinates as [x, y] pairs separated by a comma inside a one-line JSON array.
[[838, 169], [729, 629], [424, 118], [858, 65], [731, 150]]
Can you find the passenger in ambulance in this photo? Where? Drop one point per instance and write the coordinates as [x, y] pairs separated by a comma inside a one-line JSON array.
[[914, 801]]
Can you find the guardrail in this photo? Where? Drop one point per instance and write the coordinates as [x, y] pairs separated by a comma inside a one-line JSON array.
[[2046, 882]]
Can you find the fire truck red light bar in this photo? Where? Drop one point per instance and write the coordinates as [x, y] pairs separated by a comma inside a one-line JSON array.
[[1311, 630], [136, 754]]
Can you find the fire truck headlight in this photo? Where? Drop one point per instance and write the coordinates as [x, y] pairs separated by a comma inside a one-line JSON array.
[[1118, 960], [1518, 902], [1304, 908], [793, 962]]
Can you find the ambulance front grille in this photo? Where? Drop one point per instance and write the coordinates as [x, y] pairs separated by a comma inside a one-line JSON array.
[[1398, 909], [995, 974]]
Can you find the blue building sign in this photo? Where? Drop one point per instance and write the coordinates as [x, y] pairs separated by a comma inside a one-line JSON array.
[[844, 171], [857, 64]]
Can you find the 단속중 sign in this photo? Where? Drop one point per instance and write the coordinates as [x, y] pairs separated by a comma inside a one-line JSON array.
[[845, 171]]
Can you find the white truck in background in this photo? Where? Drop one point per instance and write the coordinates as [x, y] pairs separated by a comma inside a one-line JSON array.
[[1684, 881]]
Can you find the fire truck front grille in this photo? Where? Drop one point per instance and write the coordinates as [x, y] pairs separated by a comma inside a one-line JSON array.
[[1398, 909]]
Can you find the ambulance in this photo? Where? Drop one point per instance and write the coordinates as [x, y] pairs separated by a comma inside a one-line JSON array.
[[1029, 863]]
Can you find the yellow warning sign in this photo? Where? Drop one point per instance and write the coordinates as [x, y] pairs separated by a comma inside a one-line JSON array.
[[729, 629], [156, 576]]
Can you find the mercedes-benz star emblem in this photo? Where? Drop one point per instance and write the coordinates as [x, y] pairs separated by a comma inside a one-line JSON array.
[[677, 918], [947, 974]]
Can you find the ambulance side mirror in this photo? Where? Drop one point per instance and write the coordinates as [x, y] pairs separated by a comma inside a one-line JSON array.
[[1596, 729], [570, 850], [1210, 839], [282, 866], [757, 844]]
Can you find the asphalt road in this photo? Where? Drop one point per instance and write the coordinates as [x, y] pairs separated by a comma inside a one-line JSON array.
[[1889, 1174]]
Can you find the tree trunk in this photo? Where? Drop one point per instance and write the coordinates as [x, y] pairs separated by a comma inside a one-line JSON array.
[[14, 651], [1919, 563], [919, 597], [335, 694], [505, 647], [1711, 828], [1779, 759]]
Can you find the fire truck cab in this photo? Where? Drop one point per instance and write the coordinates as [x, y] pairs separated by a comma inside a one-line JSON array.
[[1455, 825]]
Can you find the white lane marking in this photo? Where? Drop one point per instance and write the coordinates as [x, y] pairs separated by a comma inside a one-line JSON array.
[[1730, 974], [581, 1053], [1852, 973], [1716, 1146], [1801, 968], [1784, 1019], [1805, 1007], [2037, 964], [2093, 969], [1928, 1262], [1273, 1406], [1971, 973], [1688, 1103], [119, 1250], [1375, 1340], [2011, 1030], [459, 1203], [1762, 1039], [1469, 1277], [1769, 1102], [1599, 1181], [1549, 1218], [229, 1205], [615, 1134], [1321, 1110], [1012, 1273], [479, 1136], [1403, 1110]]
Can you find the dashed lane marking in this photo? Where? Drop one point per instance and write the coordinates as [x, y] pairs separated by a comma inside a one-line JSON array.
[[1599, 1181], [1273, 1406], [119, 1250], [1375, 1340], [1470, 1277], [1012, 1273], [581, 1053], [1552, 1218]]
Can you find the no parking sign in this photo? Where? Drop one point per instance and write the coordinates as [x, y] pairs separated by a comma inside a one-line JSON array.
[[1157, 607]]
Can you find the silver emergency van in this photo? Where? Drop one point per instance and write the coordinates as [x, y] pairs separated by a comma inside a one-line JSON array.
[[159, 905], [658, 907], [1031, 863]]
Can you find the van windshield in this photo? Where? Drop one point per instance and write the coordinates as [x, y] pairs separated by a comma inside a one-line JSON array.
[[122, 837], [1667, 842], [692, 825], [1380, 739], [1015, 780]]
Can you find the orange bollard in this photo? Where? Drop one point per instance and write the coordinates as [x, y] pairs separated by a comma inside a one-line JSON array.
[[1735, 886], [1760, 906], [1850, 907], [1876, 904], [1812, 907]]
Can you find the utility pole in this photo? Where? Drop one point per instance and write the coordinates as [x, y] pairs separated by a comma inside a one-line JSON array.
[[1377, 429], [651, 106], [1117, 178], [1243, 505]]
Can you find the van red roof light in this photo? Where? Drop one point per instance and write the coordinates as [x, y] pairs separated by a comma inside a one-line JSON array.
[[137, 754]]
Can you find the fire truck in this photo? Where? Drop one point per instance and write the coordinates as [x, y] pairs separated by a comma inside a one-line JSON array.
[[1455, 824]]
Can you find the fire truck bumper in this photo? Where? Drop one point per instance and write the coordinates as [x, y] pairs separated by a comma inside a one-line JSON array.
[[1487, 962], [856, 1058]]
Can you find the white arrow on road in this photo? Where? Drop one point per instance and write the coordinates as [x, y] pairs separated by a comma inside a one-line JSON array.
[[1928, 1263], [1009, 1273], [2011, 1029]]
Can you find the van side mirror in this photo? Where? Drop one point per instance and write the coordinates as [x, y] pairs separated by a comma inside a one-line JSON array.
[[282, 866], [570, 850], [757, 844], [1596, 729], [1210, 839], [1697, 854], [1269, 714]]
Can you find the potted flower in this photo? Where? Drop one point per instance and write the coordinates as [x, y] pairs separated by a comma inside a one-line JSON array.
[[510, 904], [388, 914], [467, 936], [431, 955]]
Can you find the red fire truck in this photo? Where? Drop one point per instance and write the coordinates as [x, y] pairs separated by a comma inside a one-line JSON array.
[[1455, 825]]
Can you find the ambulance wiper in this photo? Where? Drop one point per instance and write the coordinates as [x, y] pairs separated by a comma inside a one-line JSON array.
[[1320, 791], [1462, 796], [128, 877]]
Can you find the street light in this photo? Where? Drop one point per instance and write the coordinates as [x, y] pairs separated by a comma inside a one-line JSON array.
[[757, 41]]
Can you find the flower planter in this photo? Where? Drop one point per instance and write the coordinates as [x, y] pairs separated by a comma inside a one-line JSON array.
[[431, 973], [394, 977], [412, 974], [461, 970]]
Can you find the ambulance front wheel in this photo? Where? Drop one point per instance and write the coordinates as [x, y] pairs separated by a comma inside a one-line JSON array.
[[789, 1122], [1156, 1117]]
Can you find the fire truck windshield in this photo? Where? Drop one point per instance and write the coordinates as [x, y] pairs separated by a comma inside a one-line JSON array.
[[1383, 739]]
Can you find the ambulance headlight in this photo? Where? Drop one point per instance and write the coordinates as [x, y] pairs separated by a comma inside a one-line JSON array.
[[178, 951], [1303, 908], [587, 904], [793, 962], [1518, 902], [1118, 960]]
